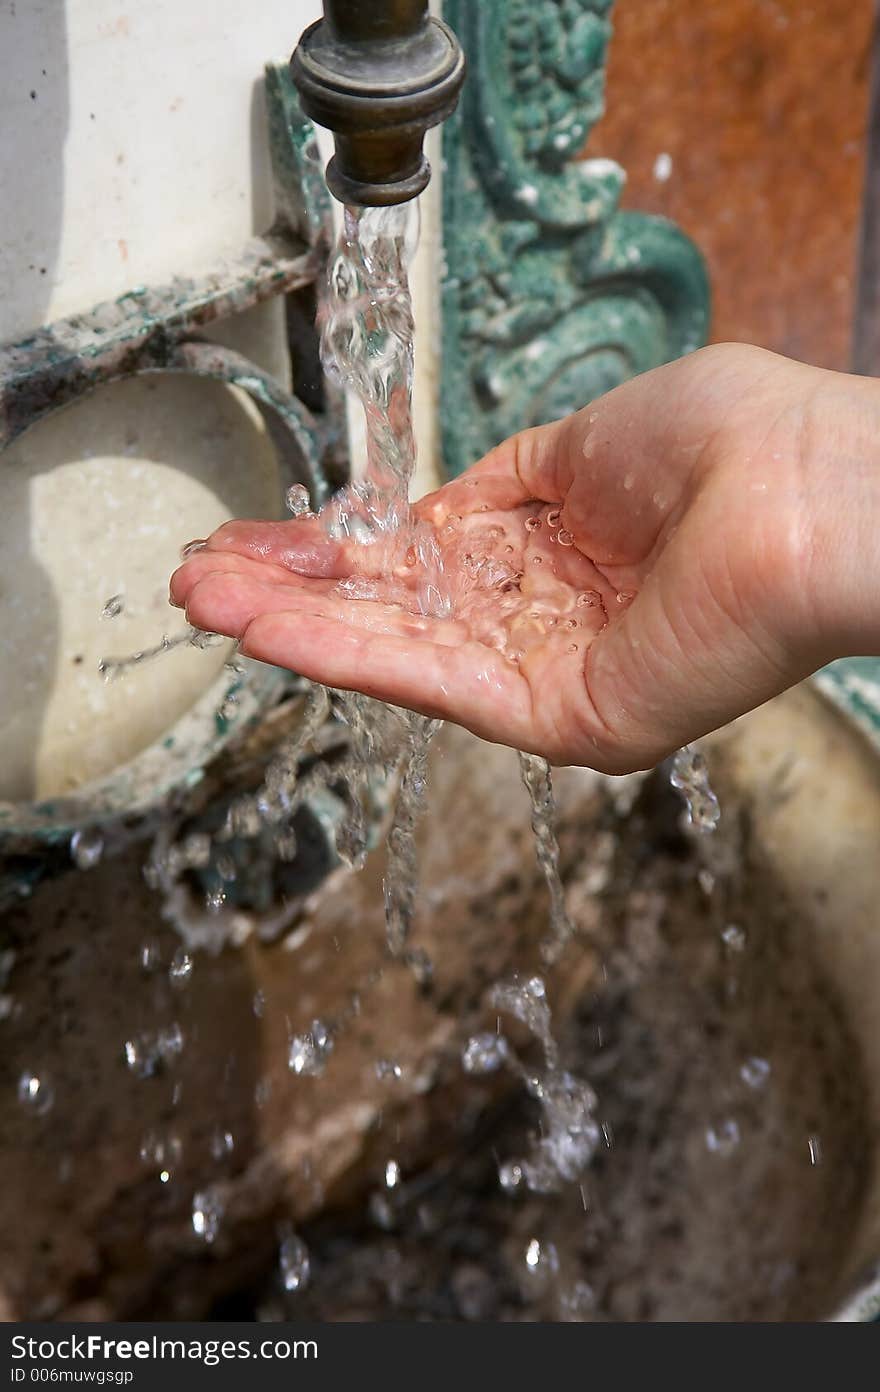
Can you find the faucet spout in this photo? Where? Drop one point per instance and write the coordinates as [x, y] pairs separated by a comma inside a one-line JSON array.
[[378, 74]]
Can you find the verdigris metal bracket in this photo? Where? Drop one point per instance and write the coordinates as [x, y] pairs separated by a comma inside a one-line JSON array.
[[167, 329], [551, 295], [160, 329]]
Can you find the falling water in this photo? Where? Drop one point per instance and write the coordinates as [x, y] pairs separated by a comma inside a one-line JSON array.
[[536, 777], [367, 343], [690, 777]]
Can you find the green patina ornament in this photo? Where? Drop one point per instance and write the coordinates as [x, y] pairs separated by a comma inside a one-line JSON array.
[[853, 684], [551, 295]]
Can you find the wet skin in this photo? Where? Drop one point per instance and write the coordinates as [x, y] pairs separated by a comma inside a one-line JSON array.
[[621, 581]]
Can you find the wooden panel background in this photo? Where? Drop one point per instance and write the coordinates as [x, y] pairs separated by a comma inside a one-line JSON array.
[[761, 106]]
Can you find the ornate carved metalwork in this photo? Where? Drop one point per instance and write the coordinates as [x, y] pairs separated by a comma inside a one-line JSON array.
[[551, 295]]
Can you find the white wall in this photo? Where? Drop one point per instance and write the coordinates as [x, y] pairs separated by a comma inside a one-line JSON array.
[[142, 152], [132, 148]]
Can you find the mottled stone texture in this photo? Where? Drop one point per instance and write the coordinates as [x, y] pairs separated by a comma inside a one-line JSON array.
[[762, 107]]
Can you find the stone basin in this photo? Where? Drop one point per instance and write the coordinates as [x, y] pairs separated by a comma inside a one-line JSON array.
[[711, 1197]]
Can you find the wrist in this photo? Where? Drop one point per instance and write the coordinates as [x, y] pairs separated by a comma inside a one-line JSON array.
[[841, 514]]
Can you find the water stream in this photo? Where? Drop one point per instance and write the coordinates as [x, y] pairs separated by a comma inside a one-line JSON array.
[[367, 342]]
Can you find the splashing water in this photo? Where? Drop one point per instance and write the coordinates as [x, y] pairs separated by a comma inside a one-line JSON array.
[[690, 778], [294, 1262], [207, 1214], [569, 1133], [111, 668], [536, 777], [367, 344], [308, 1053]]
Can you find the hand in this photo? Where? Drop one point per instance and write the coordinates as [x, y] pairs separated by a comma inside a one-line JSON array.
[[617, 583]]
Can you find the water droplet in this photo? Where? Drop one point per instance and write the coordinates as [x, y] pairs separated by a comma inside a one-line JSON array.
[[532, 524], [387, 1069], [576, 1302], [565, 538], [228, 706], [207, 1213], [537, 560], [755, 1072], [222, 1143], [35, 1093], [690, 777], [510, 1176], [723, 1138], [553, 517], [588, 598], [149, 1053], [392, 1174], [150, 956], [485, 1053], [814, 1146], [662, 166], [298, 501], [541, 1257], [733, 937], [294, 1262], [625, 596], [181, 969], [571, 649], [421, 966], [308, 1053], [192, 547], [86, 848], [195, 850], [381, 1211], [706, 881], [162, 1152], [114, 607]]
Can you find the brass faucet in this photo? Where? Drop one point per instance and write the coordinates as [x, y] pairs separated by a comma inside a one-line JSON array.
[[378, 74]]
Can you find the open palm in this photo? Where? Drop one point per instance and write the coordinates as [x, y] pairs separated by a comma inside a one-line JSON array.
[[480, 610], [599, 591]]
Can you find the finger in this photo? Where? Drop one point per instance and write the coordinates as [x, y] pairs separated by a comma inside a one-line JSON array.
[[468, 683], [300, 544], [477, 491], [214, 562], [227, 601]]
